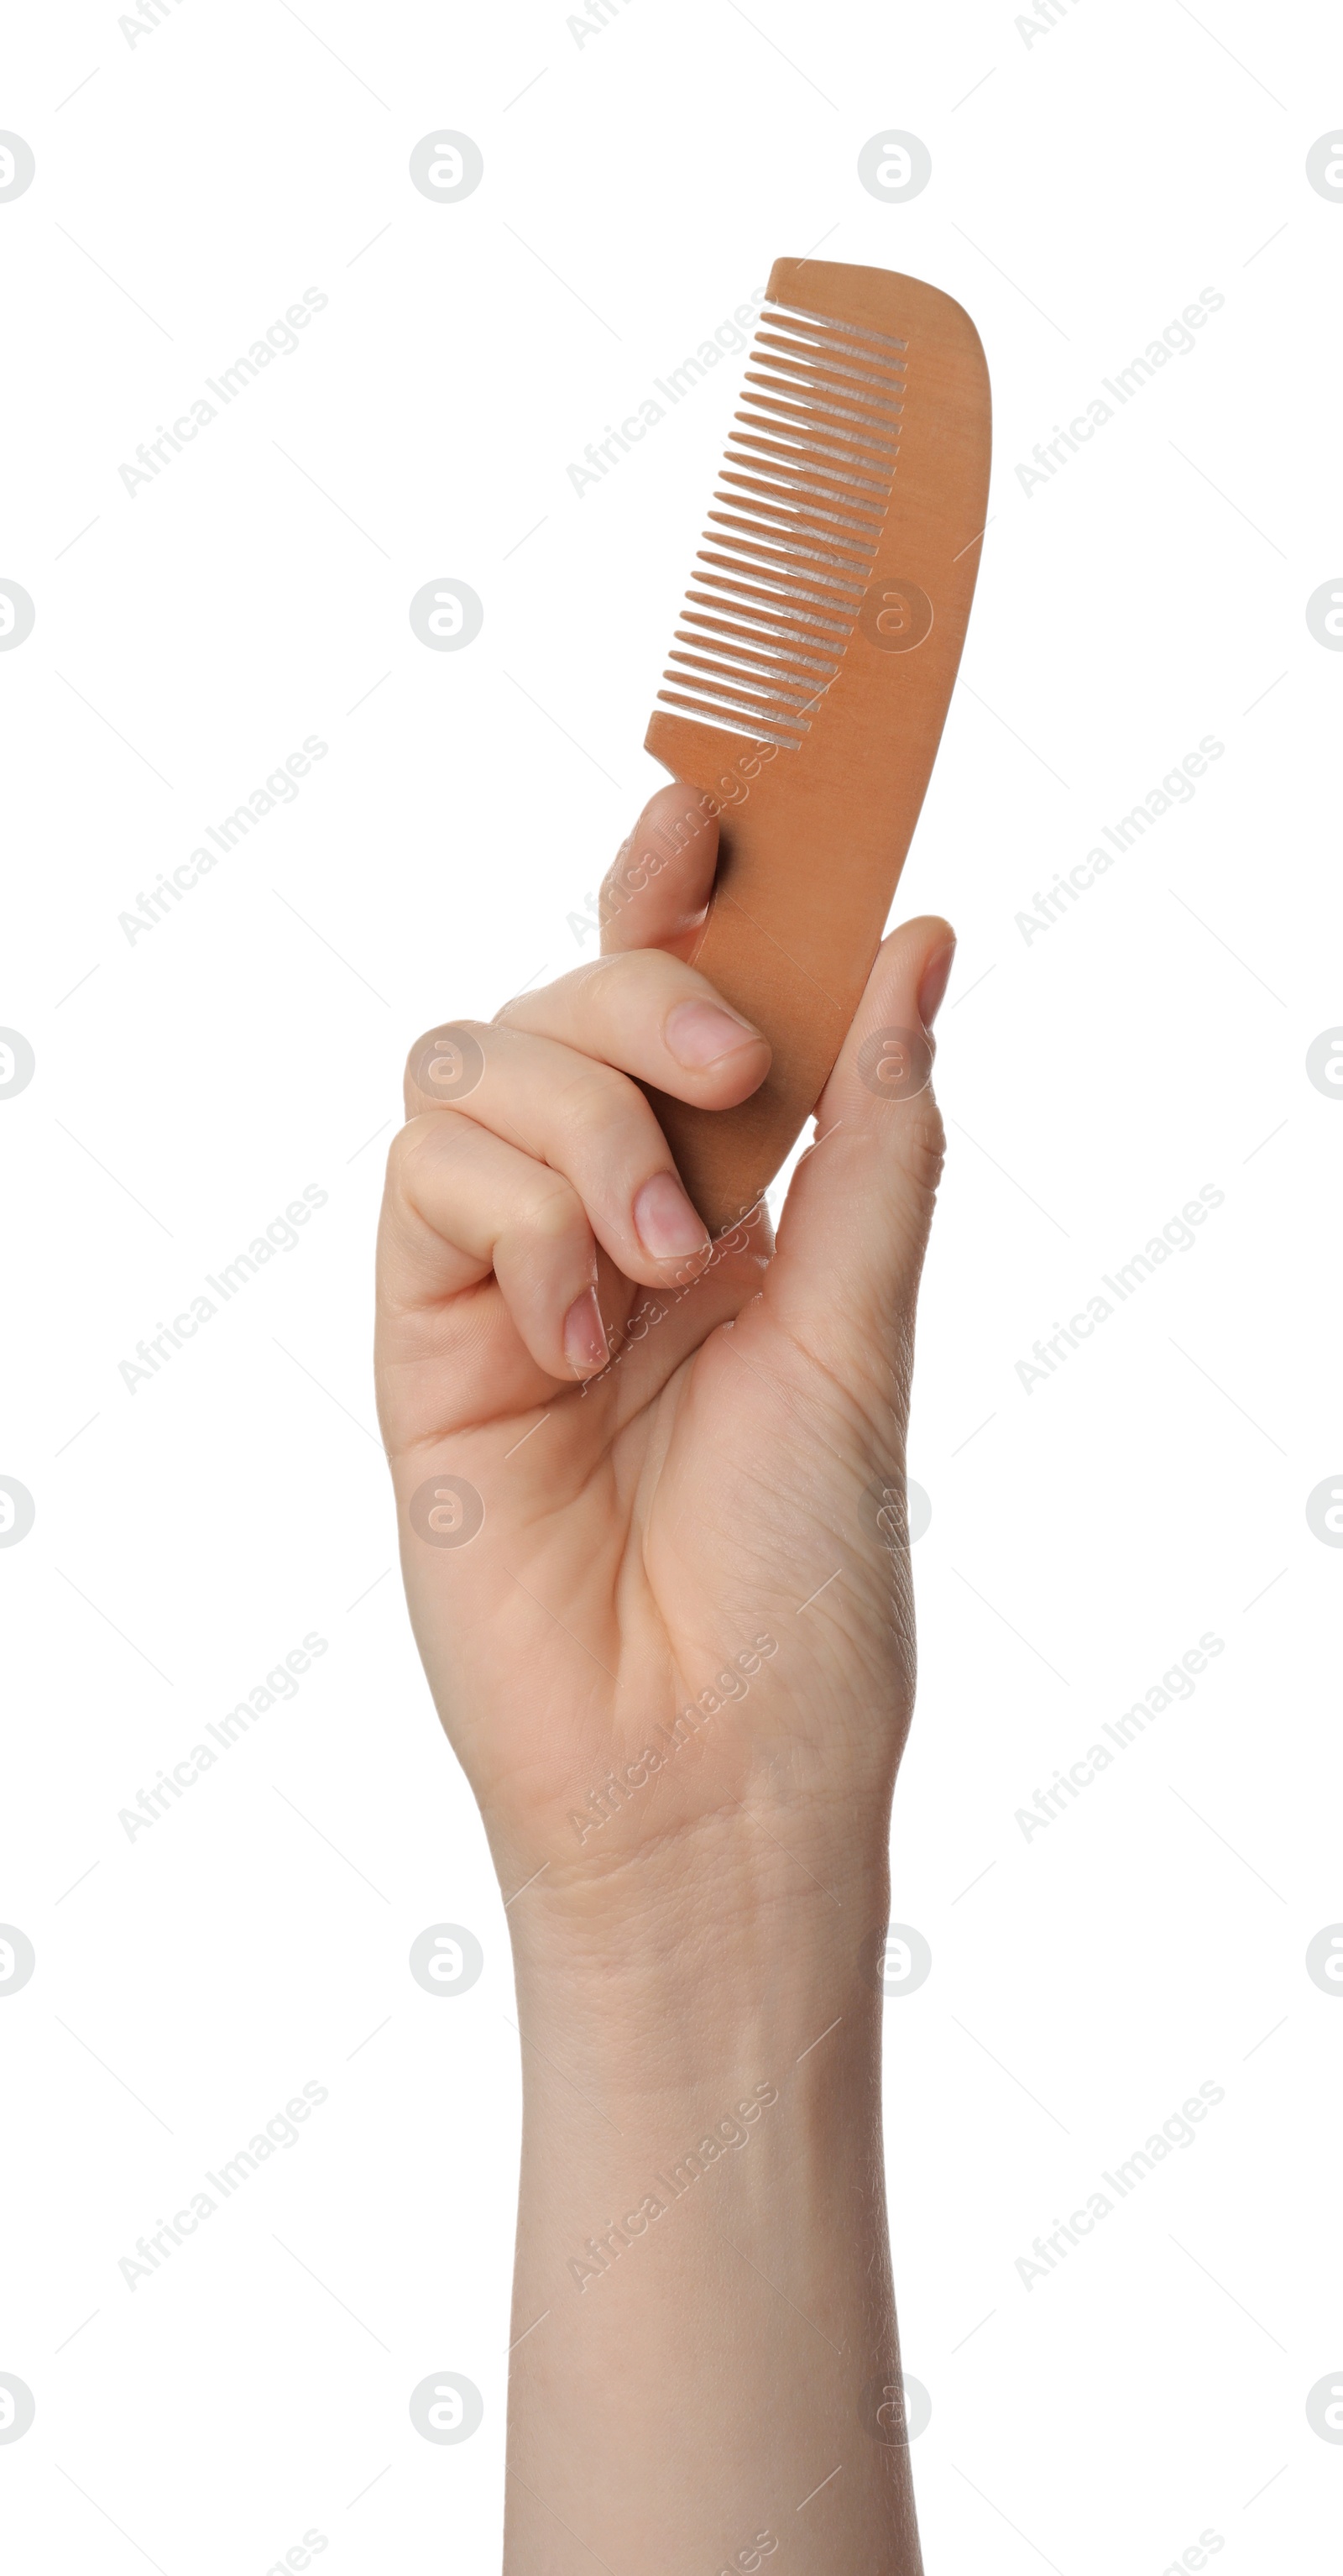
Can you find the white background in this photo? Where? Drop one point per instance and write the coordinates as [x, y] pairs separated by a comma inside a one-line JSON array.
[[1086, 185]]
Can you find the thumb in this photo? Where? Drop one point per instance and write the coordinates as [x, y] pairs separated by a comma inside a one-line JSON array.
[[855, 1223]]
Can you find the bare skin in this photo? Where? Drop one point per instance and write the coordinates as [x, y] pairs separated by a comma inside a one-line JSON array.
[[680, 1453]]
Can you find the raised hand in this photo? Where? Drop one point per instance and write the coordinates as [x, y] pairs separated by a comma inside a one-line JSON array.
[[649, 1491]]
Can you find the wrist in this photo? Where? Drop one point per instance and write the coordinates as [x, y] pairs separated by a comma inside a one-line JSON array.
[[697, 1965]]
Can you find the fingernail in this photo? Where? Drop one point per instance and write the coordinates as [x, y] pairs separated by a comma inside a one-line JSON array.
[[585, 1335], [667, 1223], [936, 975], [698, 1033]]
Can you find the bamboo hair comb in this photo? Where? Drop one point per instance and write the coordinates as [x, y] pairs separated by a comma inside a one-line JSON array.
[[809, 681]]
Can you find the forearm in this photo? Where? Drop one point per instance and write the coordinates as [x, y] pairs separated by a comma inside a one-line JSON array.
[[703, 2304]]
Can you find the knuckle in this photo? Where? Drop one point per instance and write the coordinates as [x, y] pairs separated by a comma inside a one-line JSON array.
[[923, 1143], [552, 1211], [445, 1035], [407, 1138], [594, 978], [427, 1131], [517, 1005], [594, 1107]]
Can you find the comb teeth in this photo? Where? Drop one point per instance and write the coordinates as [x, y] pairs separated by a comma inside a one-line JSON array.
[[794, 529]]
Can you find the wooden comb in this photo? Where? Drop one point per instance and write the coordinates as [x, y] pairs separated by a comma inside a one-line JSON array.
[[813, 668]]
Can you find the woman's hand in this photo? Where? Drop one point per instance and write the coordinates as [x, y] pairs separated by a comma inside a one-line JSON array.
[[650, 1499], [661, 1463]]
